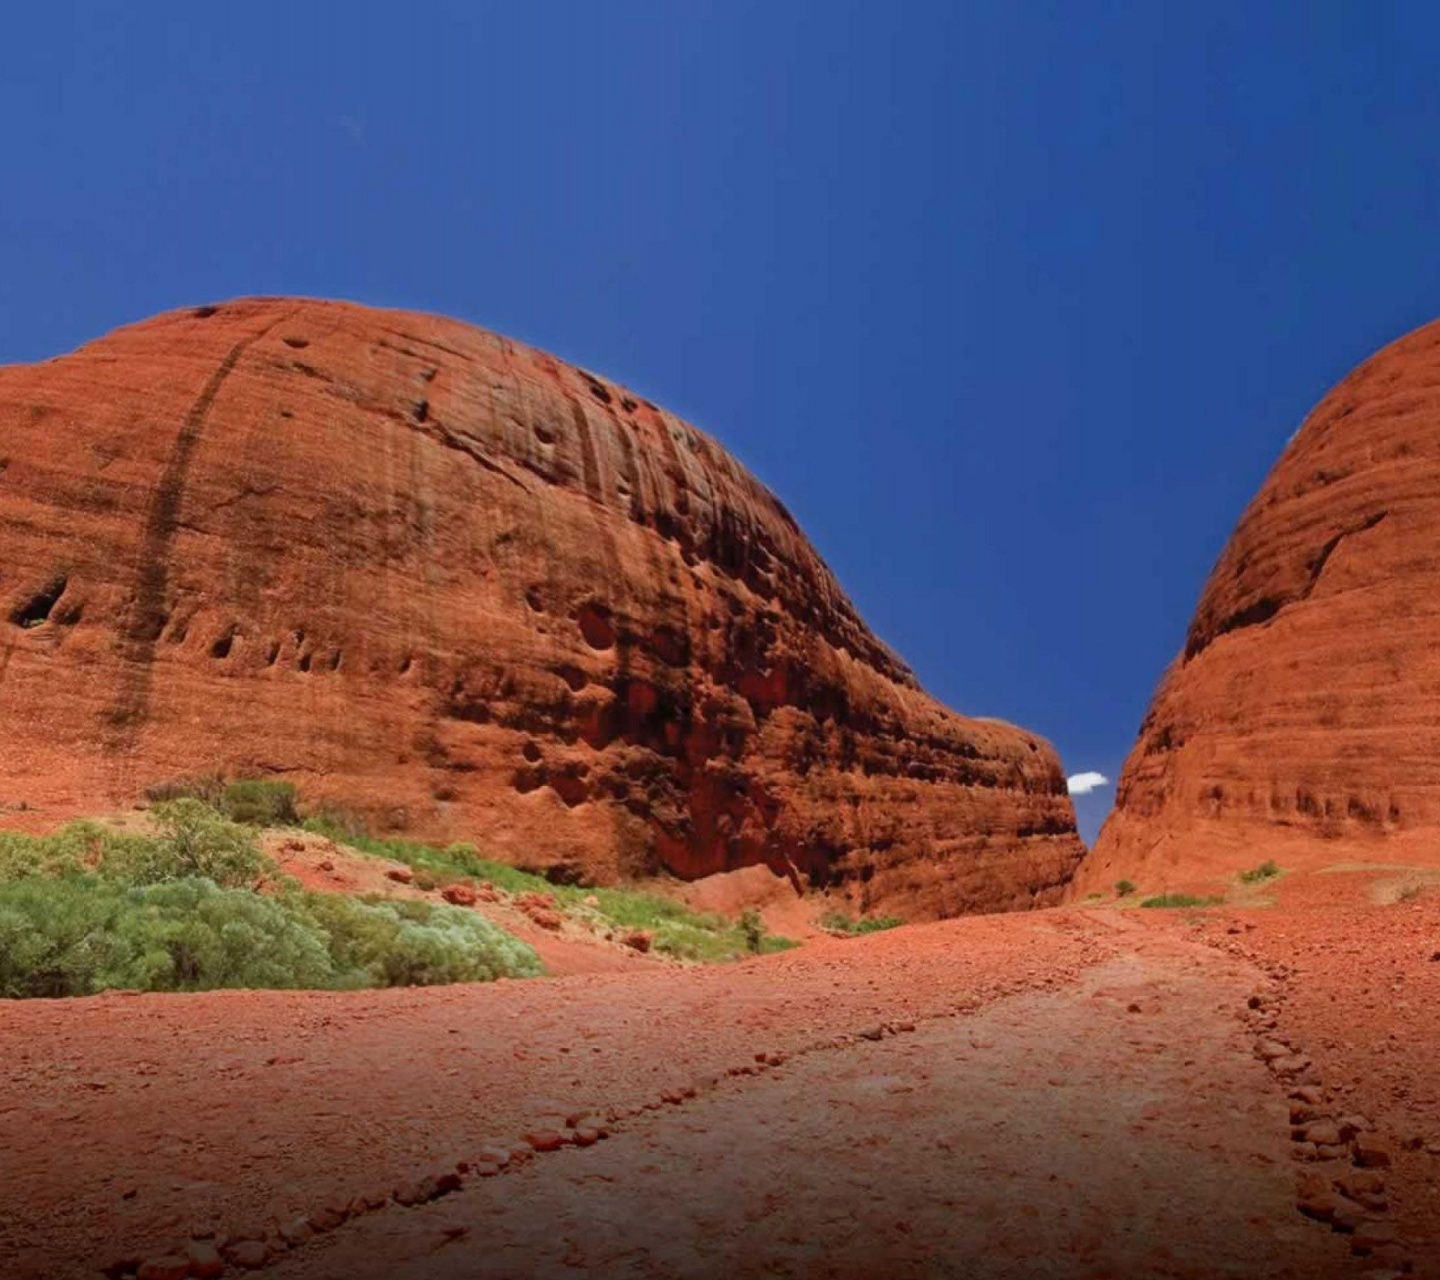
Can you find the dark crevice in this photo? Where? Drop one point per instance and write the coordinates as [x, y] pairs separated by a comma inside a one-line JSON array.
[[35, 610], [1264, 609]]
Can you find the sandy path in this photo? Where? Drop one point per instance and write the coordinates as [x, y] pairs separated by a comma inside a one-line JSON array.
[[127, 1122], [1051, 1134]]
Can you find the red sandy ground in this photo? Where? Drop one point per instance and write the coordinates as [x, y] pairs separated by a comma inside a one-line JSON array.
[[1066, 1093]]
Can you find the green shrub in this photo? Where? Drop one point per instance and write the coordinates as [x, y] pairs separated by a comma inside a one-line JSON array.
[[193, 840], [837, 922], [390, 943], [1124, 888], [257, 802], [80, 934], [56, 936], [752, 929], [209, 787], [677, 930], [89, 908], [260, 803], [1179, 900], [83, 934], [1265, 871]]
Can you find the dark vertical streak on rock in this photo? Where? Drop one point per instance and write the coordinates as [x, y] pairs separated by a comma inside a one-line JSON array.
[[588, 458], [147, 615]]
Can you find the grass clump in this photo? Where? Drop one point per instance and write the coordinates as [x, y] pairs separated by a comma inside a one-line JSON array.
[[1267, 870], [678, 930], [441, 865], [90, 909], [837, 922], [1180, 900]]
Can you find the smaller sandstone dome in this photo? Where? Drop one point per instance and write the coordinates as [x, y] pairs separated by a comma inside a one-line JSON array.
[[470, 592], [1304, 712]]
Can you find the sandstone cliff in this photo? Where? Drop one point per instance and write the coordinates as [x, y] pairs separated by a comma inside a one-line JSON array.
[[1302, 719], [448, 581]]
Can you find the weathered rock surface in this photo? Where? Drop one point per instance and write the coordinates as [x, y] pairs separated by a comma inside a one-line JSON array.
[[1303, 717], [452, 583]]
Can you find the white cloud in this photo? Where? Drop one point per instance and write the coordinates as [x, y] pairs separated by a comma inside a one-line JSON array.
[[1082, 784]]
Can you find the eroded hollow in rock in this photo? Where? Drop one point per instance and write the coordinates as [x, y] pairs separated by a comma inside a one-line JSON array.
[[36, 609], [596, 626]]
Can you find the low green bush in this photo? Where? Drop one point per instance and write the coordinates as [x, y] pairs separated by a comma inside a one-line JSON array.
[[191, 840], [260, 802], [257, 802], [209, 787], [1265, 871], [677, 930], [1179, 900], [403, 943], [81, 934], [1124, 888], [837, 922], [89, 909]]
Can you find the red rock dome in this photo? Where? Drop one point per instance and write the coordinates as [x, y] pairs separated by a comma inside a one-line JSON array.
[[1302, 720], [469, 591]]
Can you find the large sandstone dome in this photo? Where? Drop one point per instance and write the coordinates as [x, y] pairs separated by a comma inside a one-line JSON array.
[[470, 592], [1302, 720]]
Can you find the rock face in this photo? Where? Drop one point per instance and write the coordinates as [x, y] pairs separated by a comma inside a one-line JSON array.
[[470, 592], [1304, 712]]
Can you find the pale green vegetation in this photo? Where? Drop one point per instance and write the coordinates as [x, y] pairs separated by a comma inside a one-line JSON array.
[[676, 929], [837, 922], [258, 802], [89, 909], [1180, 900]]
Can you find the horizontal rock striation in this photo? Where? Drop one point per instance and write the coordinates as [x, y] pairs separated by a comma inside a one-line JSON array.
[[466, 590], [1304, 712]]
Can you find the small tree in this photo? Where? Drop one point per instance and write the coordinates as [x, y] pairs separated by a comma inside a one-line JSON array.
[[193, 840]]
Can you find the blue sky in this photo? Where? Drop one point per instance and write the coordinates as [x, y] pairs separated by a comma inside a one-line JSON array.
[[1013, 304]]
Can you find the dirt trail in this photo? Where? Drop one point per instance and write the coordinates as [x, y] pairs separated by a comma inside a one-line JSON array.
[[128, 1122], [1121, 1127], [1073, 1093]]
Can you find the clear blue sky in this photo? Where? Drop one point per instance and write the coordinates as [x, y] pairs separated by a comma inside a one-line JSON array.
[[1013, 303]]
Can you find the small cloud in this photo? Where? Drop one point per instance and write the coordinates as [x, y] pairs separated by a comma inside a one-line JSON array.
[[1082, 784]]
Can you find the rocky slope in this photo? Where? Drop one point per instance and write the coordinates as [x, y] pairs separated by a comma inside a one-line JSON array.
[[1302, 720], [469, 591]]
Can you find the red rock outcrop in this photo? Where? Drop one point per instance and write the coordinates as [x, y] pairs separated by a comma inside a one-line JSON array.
[[469, 591], [1303, 716]]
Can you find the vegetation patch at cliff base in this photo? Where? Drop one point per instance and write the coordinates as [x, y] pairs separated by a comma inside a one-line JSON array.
[[197, 906], [673, 928]]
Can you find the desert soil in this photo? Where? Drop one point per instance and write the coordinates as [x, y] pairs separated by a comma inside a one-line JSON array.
[[1080, 1092]]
